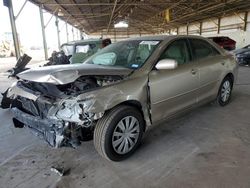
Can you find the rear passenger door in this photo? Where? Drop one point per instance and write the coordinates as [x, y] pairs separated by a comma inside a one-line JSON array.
[[210, 64]]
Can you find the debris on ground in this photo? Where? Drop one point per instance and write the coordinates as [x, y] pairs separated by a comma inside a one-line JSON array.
[[46, 175], [60, 171]]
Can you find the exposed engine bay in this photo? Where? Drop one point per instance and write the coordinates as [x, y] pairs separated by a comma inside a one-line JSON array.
[[53, 111], [82, 84]]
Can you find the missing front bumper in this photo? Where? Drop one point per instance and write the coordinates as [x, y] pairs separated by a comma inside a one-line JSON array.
[[51, 130]]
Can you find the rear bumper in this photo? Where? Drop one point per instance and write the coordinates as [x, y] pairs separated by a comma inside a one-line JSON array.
[[51, 130]]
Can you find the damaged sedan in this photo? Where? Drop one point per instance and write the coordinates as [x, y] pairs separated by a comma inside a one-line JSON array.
[[116, 94]]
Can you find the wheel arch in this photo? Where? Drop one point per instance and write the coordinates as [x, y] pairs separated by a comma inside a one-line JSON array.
[[231, 76], [136, 104]]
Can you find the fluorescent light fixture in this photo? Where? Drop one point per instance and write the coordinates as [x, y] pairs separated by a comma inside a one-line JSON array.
[[60, 13], [121, 24]]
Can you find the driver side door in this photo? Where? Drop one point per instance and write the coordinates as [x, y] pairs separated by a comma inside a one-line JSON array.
[[174, 90]]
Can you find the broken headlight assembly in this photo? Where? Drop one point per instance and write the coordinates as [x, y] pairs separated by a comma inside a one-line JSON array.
[[77, 112]]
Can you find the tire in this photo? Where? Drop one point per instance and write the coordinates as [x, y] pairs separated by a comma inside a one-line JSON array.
[[108, 133], [225, 91]]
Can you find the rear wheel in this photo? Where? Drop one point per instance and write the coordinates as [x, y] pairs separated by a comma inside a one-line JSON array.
[[118, 133], [225, 91]]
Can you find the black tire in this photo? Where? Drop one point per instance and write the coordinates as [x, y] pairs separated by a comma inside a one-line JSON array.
[[220, 98], [106, 126]]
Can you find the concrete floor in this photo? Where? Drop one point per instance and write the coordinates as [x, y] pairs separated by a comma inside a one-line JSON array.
[[208, 147]]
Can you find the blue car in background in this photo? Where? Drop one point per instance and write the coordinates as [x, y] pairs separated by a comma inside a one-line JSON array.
[[243, 55]]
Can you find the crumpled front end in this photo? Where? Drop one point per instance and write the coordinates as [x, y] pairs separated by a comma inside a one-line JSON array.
[[53, 112]]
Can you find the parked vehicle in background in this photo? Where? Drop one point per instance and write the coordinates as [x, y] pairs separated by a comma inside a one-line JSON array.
[[224, 42], [243, 55], [82, 49], [71, 53], [120, 91]]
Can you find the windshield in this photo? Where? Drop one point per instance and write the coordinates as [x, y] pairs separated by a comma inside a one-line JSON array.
[[129, 54]]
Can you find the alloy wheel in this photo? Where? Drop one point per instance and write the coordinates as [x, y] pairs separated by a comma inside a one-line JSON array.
[[225, 91]]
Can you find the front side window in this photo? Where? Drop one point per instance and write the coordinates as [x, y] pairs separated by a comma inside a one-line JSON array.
[[202, 49], [130, 54], [178, 51]]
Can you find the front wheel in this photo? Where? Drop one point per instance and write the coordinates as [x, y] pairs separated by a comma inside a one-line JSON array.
[[225, 91], [118, 133]]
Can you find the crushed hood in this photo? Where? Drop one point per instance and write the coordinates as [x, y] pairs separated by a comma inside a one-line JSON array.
[[64, 74]]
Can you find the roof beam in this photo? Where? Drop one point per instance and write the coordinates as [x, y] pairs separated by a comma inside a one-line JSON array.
[[112, 14], [65, 10], [119, 4], [75, 4], [146, 14]]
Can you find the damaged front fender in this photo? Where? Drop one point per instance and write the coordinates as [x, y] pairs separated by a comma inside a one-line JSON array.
[[76, 111], [99, 101]]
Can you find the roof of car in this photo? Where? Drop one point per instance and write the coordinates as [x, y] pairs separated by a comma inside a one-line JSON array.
[[217, 37], [82, 41], [164, 37]]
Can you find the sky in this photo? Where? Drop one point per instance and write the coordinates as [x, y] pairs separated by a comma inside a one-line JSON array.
[[29, 26]]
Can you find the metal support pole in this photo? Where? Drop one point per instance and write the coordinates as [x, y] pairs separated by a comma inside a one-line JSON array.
[[78, 35], [218, 28], [187, 28], [82, 36], [177, 30], [200, 28], [67, 32], [73, 33], [102, 34], [43, 33], [114, 35], [58, 32], [14, 31], [245, 21]]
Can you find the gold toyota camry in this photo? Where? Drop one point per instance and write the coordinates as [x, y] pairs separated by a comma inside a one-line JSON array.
[[116, 94]]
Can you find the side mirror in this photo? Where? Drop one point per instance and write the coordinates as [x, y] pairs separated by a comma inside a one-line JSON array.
[[166, 64]]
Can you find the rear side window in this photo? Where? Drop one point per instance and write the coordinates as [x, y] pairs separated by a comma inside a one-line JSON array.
[[202, 49]]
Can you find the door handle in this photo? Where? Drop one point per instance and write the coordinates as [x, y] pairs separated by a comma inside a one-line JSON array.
[[193, 71]]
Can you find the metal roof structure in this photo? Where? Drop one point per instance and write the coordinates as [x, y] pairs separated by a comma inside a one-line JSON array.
[[148, 16]]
